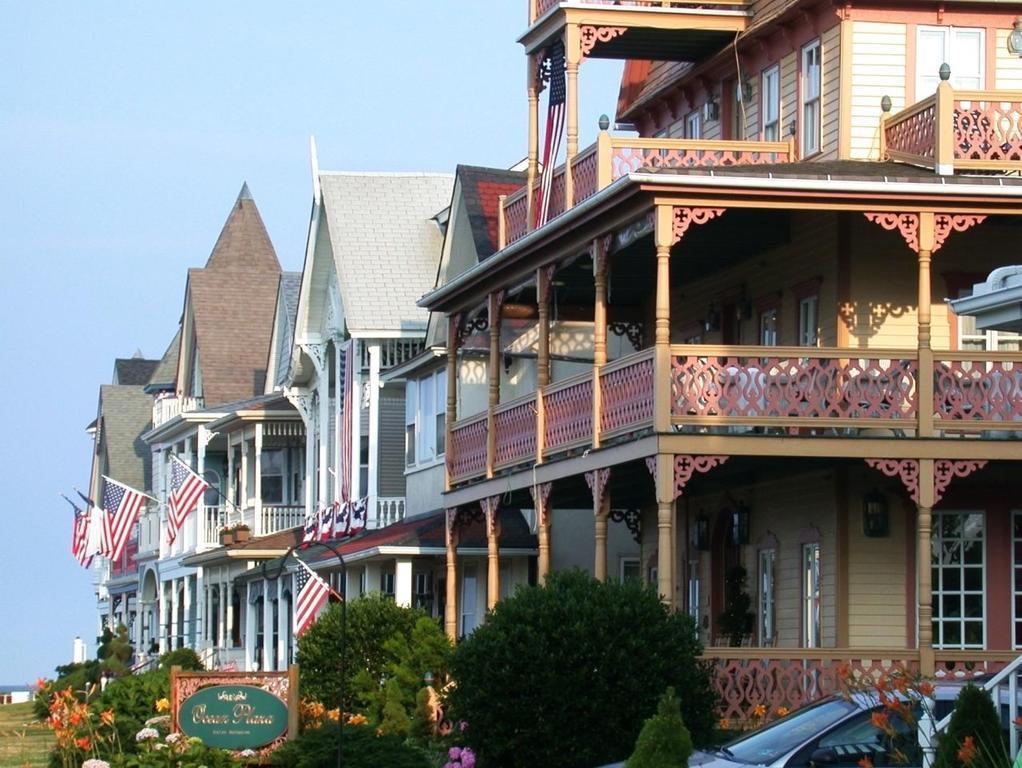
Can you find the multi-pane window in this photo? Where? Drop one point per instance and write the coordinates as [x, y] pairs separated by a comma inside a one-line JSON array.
[[811, 89], [812, 630], [960, 48], [771, 104], [387, 583], [767, 628], [768, 327], [808, 321], [957, 560], [425, 416], [271, 466], [631, 569], [693, 125]]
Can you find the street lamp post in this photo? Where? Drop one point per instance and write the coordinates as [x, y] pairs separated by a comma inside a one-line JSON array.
[[344, 616]]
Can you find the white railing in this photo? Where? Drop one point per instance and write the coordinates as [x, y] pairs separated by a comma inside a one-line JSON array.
[[166, 408], [149, 532], [280, 518], [213, 519], [389, 510], [1003, 689]]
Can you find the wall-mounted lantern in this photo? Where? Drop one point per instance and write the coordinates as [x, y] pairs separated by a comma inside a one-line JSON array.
[[875, 520], [701, 533], [1015, 39], [740, 524]]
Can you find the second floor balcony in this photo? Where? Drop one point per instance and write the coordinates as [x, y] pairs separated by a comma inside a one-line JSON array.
[[166, 408]]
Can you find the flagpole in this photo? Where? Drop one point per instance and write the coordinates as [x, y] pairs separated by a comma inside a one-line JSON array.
[[211, 486], [135, 490]]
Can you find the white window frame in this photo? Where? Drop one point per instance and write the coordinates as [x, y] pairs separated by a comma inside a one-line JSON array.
[[809, 320], [941, 546], [425, 420], [623, 565], [767, 614], [469, 597], [812, 98], [812, 596], [693, 125], [770, 103], [768, 337], [927, 72]]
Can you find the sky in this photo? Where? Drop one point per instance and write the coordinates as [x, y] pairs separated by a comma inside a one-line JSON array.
[[126, 131]]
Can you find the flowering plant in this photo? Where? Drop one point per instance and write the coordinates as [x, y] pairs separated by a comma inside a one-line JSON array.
[[79, 731], [460, 757]]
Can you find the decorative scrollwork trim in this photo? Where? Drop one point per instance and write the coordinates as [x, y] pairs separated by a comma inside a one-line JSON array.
[[686, 466], [906, 470], [597, 482], [633, 332], [686, 217], [590, 37], [946, 470], [944, 224], [632, 518], [906, 223]]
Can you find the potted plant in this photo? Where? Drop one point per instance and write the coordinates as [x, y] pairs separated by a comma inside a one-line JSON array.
[[226, 536], [242, 533]]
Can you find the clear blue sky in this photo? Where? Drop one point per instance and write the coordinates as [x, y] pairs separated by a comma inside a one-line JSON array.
[[126, 130]]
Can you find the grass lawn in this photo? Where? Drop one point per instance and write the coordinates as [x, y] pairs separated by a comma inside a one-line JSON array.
[[24, 741]]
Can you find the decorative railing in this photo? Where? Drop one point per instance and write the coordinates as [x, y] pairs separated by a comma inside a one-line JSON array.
[[213, 519], [957, 130], [515, 425], [978, 390], [149, 532], [539, 7], [910, 135], [626, 393], [610, 158], [166, 408], [793, 387], [467, 454], [389, 510], [275, 518], [568, 408]]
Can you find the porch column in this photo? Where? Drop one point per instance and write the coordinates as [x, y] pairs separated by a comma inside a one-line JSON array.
[[282, 612], [357, 490], [490, 506], [202, 439], [164, 609], [493, 374], [323, 429], [664, 233], [269, 652], [189, 622], [544, 277], [531, 78], [250, 627], [403, 581], [540, 497], [374, 431], [242, 503], [923, 573], [925, 379], [452, 394], [597, 481], [451, 601], [174, 613], [599, 332], [572, 57], [257, 524], [665, 527], [229, 618]]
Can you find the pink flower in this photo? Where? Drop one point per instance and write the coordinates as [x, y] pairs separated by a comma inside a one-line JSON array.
[[454, 753]]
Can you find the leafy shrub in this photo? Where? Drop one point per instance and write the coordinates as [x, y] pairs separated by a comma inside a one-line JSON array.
[[115, 651], [185, 658], [565, 674], [79, 677], [975, 727], [133, 699], [362, 748], [664, 741], [372, 621]]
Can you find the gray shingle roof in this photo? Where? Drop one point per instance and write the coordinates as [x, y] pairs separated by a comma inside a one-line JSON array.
[[125, 414], [385, 244], [165, 375], [134, 370], [287, 301]]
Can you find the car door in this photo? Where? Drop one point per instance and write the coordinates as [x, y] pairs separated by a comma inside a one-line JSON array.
[[858, 738]]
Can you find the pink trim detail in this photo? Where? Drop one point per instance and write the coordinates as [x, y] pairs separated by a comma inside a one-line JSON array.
[[590, 36], [906, 223], [540, 493], [906, 470], [597, 482], [945, 470], [944, 224], [685, 217]]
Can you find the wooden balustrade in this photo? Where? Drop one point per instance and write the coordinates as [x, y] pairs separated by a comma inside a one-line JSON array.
[[538, 8], [978, 391], [467, 451], [568, 413], [626, 394], [515, 424]]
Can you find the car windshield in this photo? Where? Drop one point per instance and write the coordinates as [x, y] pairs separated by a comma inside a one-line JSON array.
[[767, 744]]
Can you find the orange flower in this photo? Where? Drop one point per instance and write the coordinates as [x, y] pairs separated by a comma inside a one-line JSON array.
[[107, 716], [759, 710], [357, 720], [865, 763], [1018, 722], [844, 671], [900, 684], [725, 724], [782, 711], [333, 714], [40, 683], [83, 743], [925, 688], [879, 720], [75, 718], [882, 683], [379, 731], [968, 751]]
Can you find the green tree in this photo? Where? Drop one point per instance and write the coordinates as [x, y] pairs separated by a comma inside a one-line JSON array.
[[737, 619], [974, 717], [371, 621], [664, 741], [565, 674], [115, 651], [185, 658]]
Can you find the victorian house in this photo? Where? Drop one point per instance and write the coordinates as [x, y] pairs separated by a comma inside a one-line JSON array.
[[730, 335]]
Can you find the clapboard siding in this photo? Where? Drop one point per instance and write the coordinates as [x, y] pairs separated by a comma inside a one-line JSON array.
[[789, 92], [1008, 68], [878, 70], [830, 44], [392, 441]]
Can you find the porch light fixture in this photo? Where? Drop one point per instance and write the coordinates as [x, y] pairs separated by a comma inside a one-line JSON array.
[[875, 520], [711, 111], [701, 533], [1015, 39], [740, 525], [746, 90]]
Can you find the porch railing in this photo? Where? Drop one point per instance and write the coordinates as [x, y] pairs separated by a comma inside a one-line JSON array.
[[389, 510], [515, 425], [568, 408], [610, 158], [539, 7], [626, 393], [166, 408], [955, 130], [978, 391], [275, 518], [467, 453], [213, 519]]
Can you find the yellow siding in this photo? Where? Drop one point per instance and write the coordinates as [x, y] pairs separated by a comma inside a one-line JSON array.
[[877, 600], [752, 108], [831, 51], [878, 70], [811, 253], [1008, 75], [789, 92]]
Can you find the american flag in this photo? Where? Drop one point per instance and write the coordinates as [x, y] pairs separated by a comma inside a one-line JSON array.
[[554, 128], [312, 593], [186, 488], [326, 522], [357, 514], [122, 504], [311, 531], [79, 534], [98, 533], [340, 521]]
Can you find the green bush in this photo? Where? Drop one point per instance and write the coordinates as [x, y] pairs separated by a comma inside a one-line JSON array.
[[565, 674], [362, 748], [133, 700], [372, 621], [185, 658], [115, 651], [79, 677], [974, 715], [664, 741]]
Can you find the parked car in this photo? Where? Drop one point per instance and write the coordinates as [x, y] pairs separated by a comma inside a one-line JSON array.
[[834, 732]]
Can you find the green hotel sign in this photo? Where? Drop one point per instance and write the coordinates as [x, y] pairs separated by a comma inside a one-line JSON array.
[[233, 716]]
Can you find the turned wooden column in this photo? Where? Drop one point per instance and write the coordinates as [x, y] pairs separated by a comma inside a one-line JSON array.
[[925, 352], [598, 480], [532, 79], [664, 238], [923, 567], [452, 395], [599, 332], [572, 58], [540, 497], [665, 495], [490, 507], [493, 372], [451, 603]]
